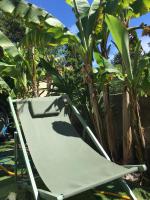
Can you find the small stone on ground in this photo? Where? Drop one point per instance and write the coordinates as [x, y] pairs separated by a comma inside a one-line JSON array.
[[11, 196]]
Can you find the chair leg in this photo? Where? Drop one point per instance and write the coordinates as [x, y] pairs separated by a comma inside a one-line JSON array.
[[128, 190], [16, 153]]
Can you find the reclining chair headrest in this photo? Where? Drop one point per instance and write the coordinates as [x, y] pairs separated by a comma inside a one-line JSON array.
[[44, 107]]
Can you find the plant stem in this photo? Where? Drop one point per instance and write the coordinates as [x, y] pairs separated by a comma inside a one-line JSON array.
[[34, 80], [111, 138], [127, 131]]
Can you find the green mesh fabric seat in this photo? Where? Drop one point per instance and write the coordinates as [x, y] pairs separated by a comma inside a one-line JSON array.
[[66, 164]]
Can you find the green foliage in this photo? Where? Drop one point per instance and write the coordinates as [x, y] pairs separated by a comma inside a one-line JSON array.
[[127, 9], [135, 68], [13, 64], [121, 38], [142, 80], [87, 16], [81, 6], [66, 72], [36, 18], [31, 14], [108, 73], [8, 46], [4, 88], [141, 7], [117, 59], [44, 30], [12, 27]]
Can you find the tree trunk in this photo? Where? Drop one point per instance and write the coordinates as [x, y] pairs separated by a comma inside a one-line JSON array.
[[127, 131], [137, 130], [34, 79], [87, 71], [111, 138], [49, 84], [133, 136], [97, 118], [25, 90]]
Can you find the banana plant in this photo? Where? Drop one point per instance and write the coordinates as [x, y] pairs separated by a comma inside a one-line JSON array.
[[4, 87], [36, 44], [10, 57], [89, 19], [31, 14], [125, 10], [106, 72], [17, 66], [37, 18], [67, 80], [43, 30], [132, 68]]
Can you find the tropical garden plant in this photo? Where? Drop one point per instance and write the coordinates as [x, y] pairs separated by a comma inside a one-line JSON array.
[[88, 17], [133, 67], [90, 37], [25, 56]]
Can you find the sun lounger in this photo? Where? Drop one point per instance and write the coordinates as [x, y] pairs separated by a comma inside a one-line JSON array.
[[66, 164]]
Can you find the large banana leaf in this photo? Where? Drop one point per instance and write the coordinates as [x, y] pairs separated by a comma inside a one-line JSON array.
[[141, 7], [30, 13], [136, 58], [8, 46], [92, 16], [4, 86], [57, 78], [37, 38], [143, 64], [105, 67], [81, 6], [121, 39], [40, 38], [3, 64], [12, 64], [16, 72], [129, 8], [39, 19], [86, 16]]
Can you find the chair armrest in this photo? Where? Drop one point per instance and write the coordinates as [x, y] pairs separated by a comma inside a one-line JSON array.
[[141, 168]]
